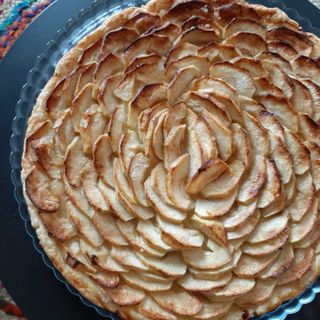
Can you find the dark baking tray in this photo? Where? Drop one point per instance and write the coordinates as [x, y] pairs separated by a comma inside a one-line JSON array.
[[32, 285]]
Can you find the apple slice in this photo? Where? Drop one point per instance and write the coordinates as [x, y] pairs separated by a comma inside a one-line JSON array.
[[138, 171], [107, 67], [172, 144], [179, 302], [212, 228], [74, 162], [207, 173], [212, 258], [271, 123], [250, 188], [245, 228], [244, 25], [299, 230], [175, 116], [143, 21], [283, 48], [136, 281], [180, 83], [278, 77], [128, 230], [121, 181], [181, 11], [135, 210], [213, 310], [283, 110], [180, 51], [160, 207], [298, 151], [198, 102], [227, 181], [315, 163], [277, 59], [248, 44], [207, 84], [315, 95], [124, 295], [257, 134], [127, 258], [215, 207], [238, 215], [145, 59], [250, 106], [176, 177], [149, 308], [254, 66], [116, 126], [179, 236], [236, 76], [205, 146], [149, 95], [84, 225], [272, 187], [304, 198], [281, 157], [218, 52], [93, 124], [85, 76], [200, 63], [129, 146], [242, 145], [270, 228], [170, 266], [264, 87], [117, 40], [107, 100], [108, 229], [115, 207], [80, 104], [222, 134], [309, 129], [235, 288], [234, 10], [105, 279], [312, 237], [58, 225], [102, 159], [268, 247], [198, 36], [249, 267], [189, 283], [301, 99], [302, 264], [152, 235], [281, 265], [276, 207], [298, 40], [168, 29], [259, 294], [149, 43], [93, 194]]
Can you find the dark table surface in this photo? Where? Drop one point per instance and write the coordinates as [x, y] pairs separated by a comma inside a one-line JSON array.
[[30, 282]]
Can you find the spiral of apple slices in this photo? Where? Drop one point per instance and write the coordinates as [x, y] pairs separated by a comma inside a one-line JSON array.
[[172, 164]]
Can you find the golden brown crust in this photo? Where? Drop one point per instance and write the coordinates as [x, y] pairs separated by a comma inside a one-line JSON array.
[[149, 231]]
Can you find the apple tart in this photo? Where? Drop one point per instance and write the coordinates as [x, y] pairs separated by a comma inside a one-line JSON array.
[[171, 165]]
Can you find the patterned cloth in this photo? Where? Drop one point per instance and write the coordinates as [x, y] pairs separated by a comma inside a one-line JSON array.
[[15, 16], [8, 309]]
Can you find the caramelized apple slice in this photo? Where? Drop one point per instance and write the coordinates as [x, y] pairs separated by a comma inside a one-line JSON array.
[[176, 178], [84, 225], [236, 76]]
